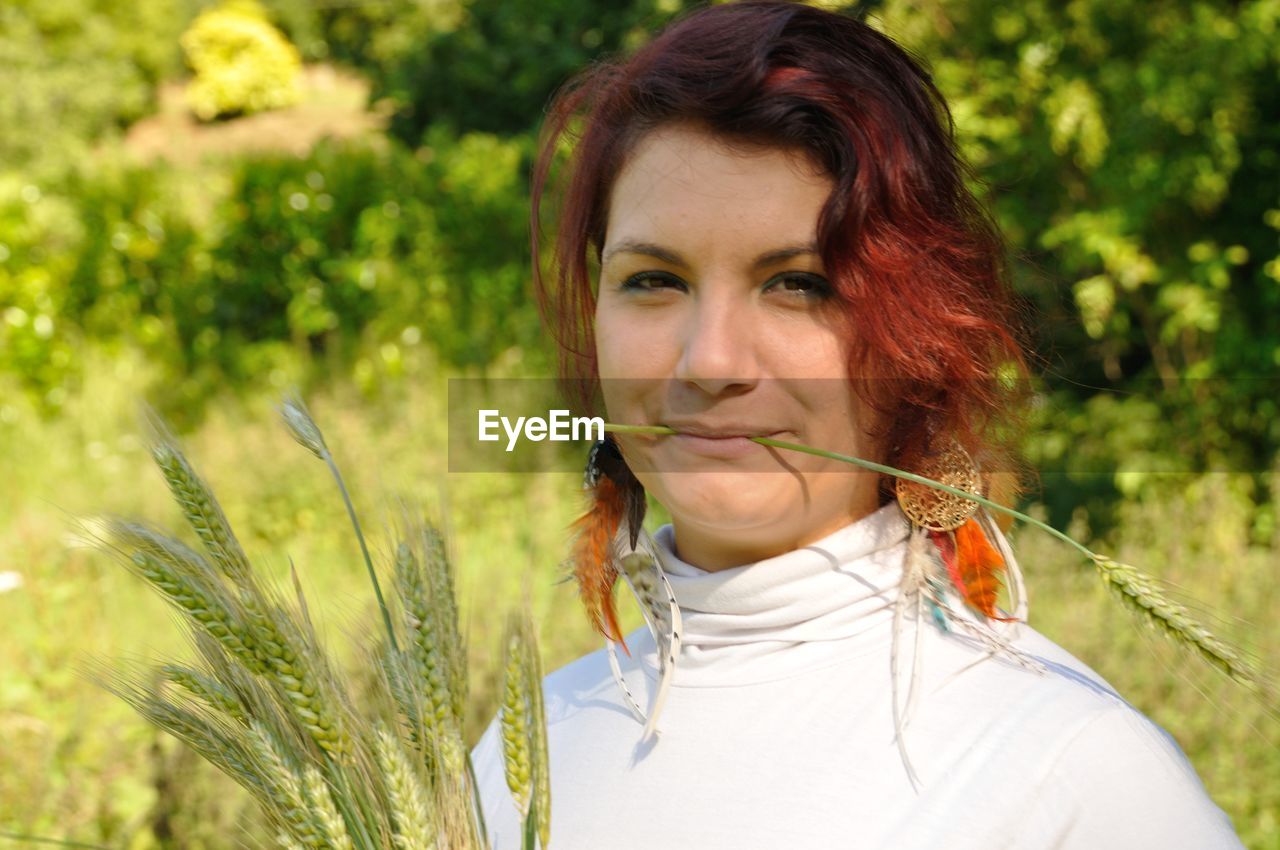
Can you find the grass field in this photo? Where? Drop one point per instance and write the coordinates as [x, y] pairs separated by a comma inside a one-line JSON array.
[[76, 764]]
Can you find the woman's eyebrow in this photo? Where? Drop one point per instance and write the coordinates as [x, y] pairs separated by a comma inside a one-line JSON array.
[[649, 249], [769, 258]]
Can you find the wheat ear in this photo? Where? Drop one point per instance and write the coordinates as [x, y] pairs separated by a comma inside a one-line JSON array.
[[541, 758], [298, 674], [515, 718], [200, 600], [284, 789], [414, 826], [324, 810], [208, 690], [523, 726], [1142, 594], [201, 510], [421, 675], [444, 602], [257, 633], [212, 739], [424, 635]]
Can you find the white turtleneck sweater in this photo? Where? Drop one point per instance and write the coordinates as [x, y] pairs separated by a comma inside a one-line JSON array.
[[778, 733]]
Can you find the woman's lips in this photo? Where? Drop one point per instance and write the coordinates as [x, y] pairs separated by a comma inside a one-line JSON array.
[[723, 448]]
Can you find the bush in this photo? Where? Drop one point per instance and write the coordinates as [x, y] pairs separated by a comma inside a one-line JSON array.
[[76, 71], [429, 246], [486, 65], [351, 249], [242, 63]]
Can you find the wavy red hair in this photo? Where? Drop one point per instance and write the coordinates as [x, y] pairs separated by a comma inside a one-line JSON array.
[[915, 260]]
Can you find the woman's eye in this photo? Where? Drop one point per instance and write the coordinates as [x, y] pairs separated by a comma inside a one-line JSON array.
[[649, 281], [801, 283]]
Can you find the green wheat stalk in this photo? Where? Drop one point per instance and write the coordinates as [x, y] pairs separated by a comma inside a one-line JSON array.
[[307, 433], [1137, 590]]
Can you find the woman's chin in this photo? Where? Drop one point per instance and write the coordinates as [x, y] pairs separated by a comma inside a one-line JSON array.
[[727, 500]]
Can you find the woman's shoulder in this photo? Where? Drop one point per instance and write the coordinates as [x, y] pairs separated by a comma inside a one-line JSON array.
[[1116, 778], [1089, 767], [1032, 689]]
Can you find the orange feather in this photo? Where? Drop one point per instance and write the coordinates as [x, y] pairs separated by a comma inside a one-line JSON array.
[[978, 567], [593, 558]]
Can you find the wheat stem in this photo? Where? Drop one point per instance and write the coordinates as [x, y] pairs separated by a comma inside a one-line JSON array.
[[305, 430], [1136, 588], [364, 550]]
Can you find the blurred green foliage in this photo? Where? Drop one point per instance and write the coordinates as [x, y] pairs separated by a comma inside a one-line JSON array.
[[76, 71], [1132, 154], [314, 256], [242, 63], [488, 65]]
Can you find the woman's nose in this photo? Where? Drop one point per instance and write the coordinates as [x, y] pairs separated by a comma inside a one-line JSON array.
[[718, 349]]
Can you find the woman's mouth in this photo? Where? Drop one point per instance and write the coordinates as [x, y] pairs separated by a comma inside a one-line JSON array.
[[723, 443]]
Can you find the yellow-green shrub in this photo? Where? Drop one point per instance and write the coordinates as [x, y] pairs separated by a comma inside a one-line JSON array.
[[242, 63]]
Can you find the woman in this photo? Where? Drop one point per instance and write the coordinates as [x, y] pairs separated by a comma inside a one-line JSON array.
[[783, 246]]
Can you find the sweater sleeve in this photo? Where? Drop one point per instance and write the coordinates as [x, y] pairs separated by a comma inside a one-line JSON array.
[[1122, 783]]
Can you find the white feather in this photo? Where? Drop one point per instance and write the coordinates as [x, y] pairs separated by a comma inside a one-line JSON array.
[[911, 590], [1017, 587], [642, 570], [622, 684]]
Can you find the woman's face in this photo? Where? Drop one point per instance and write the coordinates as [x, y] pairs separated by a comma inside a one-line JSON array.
[[714, 316]]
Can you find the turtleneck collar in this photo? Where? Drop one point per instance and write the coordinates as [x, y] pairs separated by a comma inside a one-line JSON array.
[[780, 616]]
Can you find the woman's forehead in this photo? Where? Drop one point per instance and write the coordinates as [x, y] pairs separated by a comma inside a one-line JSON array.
[[681, 183]]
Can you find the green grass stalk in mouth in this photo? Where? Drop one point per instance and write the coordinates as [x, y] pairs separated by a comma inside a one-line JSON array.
[[1136, 590]]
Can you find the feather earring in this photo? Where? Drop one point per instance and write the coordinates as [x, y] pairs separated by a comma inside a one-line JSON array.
[[617, 503], [972, 563], [616, 513], [962, 556]]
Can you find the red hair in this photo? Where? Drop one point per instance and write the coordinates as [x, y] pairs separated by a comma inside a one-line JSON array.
[[915, 260]]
